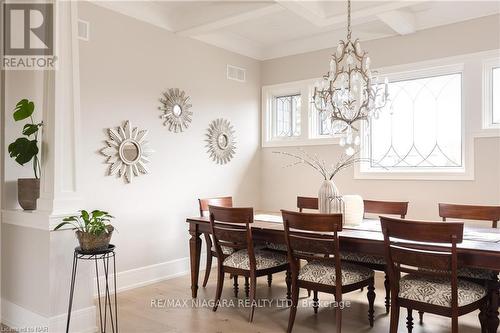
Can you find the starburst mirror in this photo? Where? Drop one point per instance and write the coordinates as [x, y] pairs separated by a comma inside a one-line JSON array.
[[127, 151], [221, 141], [175, 106]]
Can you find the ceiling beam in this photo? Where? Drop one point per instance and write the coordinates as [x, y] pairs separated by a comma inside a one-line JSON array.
[[230, 20], [402, 22], [303, 10]]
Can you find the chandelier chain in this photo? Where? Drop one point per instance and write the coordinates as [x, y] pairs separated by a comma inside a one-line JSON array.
[[348, 19]]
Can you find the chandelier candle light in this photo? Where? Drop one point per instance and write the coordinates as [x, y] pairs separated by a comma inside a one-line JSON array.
[[348, 93]]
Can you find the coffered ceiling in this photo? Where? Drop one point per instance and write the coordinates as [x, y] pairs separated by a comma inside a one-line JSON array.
[[271, 29]]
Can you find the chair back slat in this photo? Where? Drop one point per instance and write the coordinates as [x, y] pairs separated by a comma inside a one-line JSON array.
[[217, 201], [307, 203], [386, 207], [422, 259], [420, 231], [231, 228], [470, 212], [308, 247]]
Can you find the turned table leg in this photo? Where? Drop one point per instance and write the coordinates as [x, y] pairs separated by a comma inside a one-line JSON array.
[[194, 255], [493, 321]]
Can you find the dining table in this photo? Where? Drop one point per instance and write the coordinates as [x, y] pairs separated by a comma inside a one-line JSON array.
[[480, 248]]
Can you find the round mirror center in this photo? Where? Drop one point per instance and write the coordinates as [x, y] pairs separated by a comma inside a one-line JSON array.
[[222, 141], [177, 110], [130, 152]]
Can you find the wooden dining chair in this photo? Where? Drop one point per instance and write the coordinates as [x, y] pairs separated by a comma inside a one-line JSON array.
[[470, 212], [430, 283], [307, 203], [314, 238], [203, 206], [231, 228], [398, 208]]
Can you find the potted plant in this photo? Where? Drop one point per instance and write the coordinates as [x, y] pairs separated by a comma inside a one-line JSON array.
[[24, 150], [92, 230]]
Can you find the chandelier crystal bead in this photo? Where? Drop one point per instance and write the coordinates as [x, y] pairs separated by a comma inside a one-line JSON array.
[[348, 94]]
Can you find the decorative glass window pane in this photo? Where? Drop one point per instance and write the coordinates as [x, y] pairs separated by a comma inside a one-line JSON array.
[[422, 128], [287, 115], [324, 123], [495, 92]]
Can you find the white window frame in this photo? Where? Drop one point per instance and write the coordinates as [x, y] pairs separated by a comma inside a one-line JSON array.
[[488, 66], [308, 116], [465, 172]]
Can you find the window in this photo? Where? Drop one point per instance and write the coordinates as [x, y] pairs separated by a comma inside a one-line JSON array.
[[421, 128], [495, 91], [491, 93], [290, 119], [287, 115]]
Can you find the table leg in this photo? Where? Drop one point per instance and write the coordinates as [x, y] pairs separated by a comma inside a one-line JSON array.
[[194, 254], [493, 320]]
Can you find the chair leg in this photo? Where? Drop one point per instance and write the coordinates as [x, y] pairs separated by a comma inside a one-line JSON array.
[[454, 324], [409, 321], [235, 285], [371, 301], [293, 308], [387, 287], [421, 317], [338, 318], [308, 293], [247, 287], [208, 267], [220, 284], [315, 301], [253, 287], [394, 314], [288, 280], [269, 280], [483, 317]]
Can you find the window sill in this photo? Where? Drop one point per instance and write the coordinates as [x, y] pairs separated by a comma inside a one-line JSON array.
[[397, 175], [300, 142]]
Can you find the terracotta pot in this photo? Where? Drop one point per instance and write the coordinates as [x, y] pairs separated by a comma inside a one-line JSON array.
[[28, 191], [90, 242]]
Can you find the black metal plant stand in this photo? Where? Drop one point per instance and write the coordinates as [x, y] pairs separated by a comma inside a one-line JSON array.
[[96, 256]]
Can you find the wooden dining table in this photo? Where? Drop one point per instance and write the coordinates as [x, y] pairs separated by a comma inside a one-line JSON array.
[[479, 249]]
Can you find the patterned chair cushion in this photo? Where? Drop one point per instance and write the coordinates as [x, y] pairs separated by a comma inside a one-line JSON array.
[[276, 247], [437, 291], [362, 258], [263, 259], [324, 273], [226, 250], [476, 273]]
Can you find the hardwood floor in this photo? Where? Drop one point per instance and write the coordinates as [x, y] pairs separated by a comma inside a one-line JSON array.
[[137, 314]]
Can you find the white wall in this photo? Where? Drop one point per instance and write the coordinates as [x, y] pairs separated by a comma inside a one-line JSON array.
[[280, 186], [123, 70]]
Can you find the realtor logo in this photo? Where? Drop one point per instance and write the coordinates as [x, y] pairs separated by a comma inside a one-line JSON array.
[[28, 36]]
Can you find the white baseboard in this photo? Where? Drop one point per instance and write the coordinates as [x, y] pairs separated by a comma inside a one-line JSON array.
[[143, 276], [24, 320]]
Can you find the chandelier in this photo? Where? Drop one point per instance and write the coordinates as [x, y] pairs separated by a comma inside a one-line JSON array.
[[348, 94]]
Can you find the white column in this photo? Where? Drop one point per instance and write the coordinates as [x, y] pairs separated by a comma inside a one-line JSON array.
[[60, 190]]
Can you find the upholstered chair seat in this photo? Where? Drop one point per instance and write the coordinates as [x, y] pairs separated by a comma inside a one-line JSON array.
[[324, 273], [362, 258], [263, 259], [225, 249], [276, 246], [437, 291]]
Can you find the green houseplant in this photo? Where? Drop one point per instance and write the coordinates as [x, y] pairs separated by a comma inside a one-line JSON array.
[[24, 150], [92, 229]]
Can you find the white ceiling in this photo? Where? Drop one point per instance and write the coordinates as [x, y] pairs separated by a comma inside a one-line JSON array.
[[271, 29]]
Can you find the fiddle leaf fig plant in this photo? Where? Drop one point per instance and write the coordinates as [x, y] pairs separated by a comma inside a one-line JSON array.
[[95, 222], [25, 149]]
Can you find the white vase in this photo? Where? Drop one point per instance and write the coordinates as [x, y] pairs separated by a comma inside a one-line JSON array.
[[327, 192]]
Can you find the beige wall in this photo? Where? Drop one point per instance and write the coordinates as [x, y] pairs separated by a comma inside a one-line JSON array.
[[280, 186], [123, 70]]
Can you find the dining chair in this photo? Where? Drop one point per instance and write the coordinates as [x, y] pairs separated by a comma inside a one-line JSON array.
[[399, 208], [430, 282], [203, 206], [470, 212], [231, 228], [314, 238]]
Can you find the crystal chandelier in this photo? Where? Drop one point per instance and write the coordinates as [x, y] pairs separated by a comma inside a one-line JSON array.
[[348, 94]]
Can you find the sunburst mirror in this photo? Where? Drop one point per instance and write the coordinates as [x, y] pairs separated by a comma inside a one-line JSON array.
[[175, 106], [127, 151], [220, 140]]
